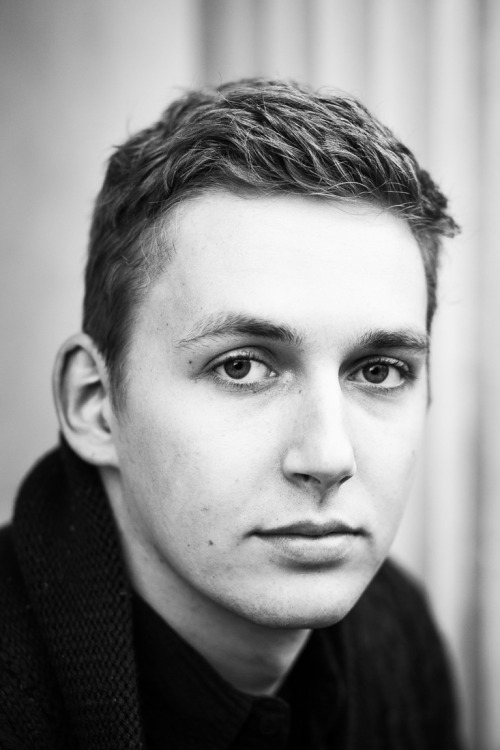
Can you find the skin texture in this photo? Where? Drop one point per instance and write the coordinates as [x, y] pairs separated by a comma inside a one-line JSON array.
[[227, 437]]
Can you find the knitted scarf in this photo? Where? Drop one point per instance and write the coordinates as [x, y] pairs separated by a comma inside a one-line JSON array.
[[67, 591]]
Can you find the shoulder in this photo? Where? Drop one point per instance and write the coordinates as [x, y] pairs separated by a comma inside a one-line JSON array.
[[397, 664], [393, 618], [397, 592], [18, 630], [30, 707], [396, 602]]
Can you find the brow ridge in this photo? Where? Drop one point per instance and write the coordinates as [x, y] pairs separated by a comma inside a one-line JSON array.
[[403, 338], [226, 324]]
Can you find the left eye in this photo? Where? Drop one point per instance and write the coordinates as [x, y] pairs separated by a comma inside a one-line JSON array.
[[379, 373], [244, 369]]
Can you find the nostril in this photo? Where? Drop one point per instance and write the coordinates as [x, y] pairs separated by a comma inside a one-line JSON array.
[[328, 481], [307, 478]]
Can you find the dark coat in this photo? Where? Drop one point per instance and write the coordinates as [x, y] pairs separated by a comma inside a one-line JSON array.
[[67, 669]]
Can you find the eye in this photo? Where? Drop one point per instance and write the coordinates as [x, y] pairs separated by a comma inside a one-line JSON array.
[[243, 370], [386, 373]]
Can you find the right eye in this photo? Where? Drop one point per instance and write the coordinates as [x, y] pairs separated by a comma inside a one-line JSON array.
[[246, 370]]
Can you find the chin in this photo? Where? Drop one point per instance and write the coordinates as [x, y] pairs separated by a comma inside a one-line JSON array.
[[305, 612]]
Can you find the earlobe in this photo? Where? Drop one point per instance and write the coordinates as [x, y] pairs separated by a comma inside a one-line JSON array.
[[81, 394]]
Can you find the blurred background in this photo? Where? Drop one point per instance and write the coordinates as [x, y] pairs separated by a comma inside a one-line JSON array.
[[78, 76]]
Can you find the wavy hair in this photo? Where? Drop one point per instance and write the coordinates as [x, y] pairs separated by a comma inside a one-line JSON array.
[[251, 137]]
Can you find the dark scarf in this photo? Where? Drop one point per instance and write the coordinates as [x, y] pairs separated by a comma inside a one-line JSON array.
[[76, 602], [69, 554]]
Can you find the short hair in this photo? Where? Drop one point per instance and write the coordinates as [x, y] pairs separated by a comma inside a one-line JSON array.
[[251, 137]]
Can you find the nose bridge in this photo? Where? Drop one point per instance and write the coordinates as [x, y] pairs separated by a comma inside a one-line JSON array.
[[323, 413], [320, 447]]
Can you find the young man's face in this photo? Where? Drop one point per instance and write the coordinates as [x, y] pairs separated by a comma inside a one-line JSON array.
[[274, 404]]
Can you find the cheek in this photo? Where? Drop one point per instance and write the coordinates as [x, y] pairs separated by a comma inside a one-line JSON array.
[[224, 442], [188, 461], [396, 469], [386, 461], [388, 441]]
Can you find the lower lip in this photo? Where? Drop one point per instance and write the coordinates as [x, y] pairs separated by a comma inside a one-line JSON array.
[[330, 549]]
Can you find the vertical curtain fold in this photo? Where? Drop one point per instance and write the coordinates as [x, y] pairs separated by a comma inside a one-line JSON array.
[[488, 550]]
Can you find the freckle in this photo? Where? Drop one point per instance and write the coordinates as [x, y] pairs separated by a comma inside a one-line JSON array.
[[210, 543]]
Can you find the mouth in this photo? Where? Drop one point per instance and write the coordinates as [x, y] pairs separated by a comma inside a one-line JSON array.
[[313, 544], [313, 529]]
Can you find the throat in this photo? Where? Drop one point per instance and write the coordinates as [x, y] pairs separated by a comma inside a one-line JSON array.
[[258, 666], [251, 657]]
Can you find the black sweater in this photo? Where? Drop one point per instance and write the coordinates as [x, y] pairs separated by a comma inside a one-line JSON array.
[[68, 676]]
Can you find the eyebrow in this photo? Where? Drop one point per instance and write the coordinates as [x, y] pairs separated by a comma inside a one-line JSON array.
[[234, 324], [231, 324], [404, 338]]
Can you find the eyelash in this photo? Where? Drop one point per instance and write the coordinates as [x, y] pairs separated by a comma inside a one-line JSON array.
[[235, 385], [405, 370]]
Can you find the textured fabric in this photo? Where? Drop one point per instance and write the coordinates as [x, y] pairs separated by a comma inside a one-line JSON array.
[[67, 667], [78, 598]]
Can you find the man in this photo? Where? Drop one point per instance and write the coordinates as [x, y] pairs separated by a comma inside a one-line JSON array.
[[201, 563]]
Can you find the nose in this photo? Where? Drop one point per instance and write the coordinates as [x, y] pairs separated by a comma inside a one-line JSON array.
[[320, 452]]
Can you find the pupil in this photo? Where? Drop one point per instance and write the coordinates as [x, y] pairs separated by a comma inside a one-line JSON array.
[[376, 373], [237, 368]]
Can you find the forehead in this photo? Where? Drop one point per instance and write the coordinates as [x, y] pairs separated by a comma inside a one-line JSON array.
[[310, 261]]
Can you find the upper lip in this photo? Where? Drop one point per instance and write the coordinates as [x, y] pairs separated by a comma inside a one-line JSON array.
[[312, 528]]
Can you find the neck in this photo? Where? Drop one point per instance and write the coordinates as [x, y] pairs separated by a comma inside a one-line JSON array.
[[252, 657]]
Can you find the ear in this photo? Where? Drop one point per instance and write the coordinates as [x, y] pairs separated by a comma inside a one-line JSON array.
[[81, 394]]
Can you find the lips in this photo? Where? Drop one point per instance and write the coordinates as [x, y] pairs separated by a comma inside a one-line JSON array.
[[312, 544], [313, 529]]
